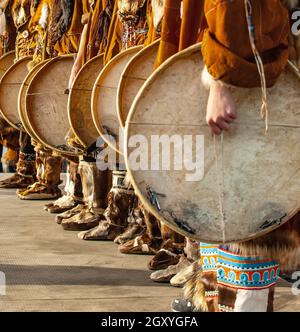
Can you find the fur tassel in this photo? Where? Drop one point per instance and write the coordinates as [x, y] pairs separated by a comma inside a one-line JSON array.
[[3, 27], [10, 158], [194, 290], [43, 22], [61, 18]]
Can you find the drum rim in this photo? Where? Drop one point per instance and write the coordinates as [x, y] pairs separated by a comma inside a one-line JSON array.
[[96, 87], [42, 141], [173, 59], [71, 96], [122, 82], [23, 93], [8, 71], [7, 55]]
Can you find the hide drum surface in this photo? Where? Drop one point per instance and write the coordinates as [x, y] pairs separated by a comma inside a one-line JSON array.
[[47, 102], [79, 105], [22, 99], [133, 77], [104, 98], [250, 183], [6, 61], [9, 90]]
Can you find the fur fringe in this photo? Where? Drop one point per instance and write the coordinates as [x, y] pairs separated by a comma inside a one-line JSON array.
[[43, 22], [61, 18], [10, 158], [282, 245], [194, 289]]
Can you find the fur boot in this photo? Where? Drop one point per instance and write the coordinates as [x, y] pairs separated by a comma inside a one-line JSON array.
[[24, 177], [191, 252], [12, 140], [95, 187], [120, 204], [73, 192], [147, 243], [48, 174], [136, 226]]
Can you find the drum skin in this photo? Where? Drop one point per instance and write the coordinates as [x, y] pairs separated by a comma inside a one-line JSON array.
[[47, 101], [79, 104], [139, 68], [6, 61], [104, 97], [249, 182], [10, 85], [22, 99]]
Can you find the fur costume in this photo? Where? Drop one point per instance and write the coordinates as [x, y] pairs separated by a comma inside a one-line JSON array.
[[95, 188], [226, 58], [98, 27], [9, 137], [67, 26], [48, 176], [62, 13], [120, 203], [7, 28], [73, 191]]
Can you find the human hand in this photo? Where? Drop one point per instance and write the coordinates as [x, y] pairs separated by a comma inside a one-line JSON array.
[[221, 110]]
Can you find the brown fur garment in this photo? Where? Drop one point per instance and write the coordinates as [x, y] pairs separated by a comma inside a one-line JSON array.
[[9, 137], [21, 12], [61, 18], [10, 158], [282, 245], [119, 203], [194, 290]]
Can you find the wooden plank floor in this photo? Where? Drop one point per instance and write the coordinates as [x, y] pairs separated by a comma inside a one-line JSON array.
[[48, 269]]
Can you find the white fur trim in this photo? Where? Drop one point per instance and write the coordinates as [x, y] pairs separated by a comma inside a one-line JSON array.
[[252, 300], [206, 78], [43, 22], [2, 23], [21, 16]]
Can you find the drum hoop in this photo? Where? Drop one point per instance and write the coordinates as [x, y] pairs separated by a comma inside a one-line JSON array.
[[5, 56], [122, 82], [71, 96], [9, 70], [182, 54], [42, 141], [98, 81], [22, 99]]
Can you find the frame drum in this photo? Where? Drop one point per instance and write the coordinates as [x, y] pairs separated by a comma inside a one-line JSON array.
[[224, 189]]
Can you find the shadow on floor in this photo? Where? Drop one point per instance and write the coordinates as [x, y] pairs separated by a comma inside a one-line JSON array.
[[74, 275]]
